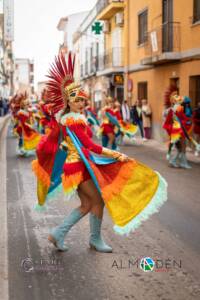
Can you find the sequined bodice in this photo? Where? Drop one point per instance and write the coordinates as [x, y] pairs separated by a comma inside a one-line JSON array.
[[72, 153]]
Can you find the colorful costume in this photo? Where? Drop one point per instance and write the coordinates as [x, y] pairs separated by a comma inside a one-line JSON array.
[[28, 137], [130, 190], [178, 127], [196, 121], [125, 128], [108, 129]]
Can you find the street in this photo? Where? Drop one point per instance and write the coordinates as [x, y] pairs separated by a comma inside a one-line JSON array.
[[171, 238]]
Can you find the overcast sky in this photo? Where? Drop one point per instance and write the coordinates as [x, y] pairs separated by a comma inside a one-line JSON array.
[[36, 35]]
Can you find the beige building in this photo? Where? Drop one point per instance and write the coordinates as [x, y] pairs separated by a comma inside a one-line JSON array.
[[24, 75]]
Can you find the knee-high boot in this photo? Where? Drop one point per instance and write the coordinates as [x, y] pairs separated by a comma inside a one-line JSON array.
[[173, 162], [96, 241], [57, 235], [183, 161]]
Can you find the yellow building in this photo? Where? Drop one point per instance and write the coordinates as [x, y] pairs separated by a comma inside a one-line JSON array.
[[160, 46], [163, 49]]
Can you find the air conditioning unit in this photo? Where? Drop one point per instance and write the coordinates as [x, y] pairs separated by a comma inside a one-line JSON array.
[[106, 27], [119, 19]]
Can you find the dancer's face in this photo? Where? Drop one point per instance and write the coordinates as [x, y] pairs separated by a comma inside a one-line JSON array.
[[77, 105]]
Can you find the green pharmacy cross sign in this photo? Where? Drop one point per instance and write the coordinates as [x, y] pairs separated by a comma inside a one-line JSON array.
[[97, 28]]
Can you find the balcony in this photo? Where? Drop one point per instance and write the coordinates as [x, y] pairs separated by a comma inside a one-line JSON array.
[[111, 61], [89, 68], [163, 44], [108, 8]]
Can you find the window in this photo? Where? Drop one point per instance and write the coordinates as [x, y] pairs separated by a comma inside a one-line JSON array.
[[196, 11], [86, 62], [142, 27], [142, 90], [91, 61], [194, 91]]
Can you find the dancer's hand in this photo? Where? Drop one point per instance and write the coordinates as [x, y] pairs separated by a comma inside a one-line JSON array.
[[115, 154], [123, 158]]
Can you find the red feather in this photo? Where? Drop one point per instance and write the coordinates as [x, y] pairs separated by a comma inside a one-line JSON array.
[[60, 75]]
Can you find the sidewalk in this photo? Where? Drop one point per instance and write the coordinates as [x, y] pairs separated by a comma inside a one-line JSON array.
[[3, 121], [153, 144]]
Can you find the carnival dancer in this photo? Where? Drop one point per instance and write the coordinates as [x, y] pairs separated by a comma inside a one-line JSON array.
[[108, 127], [130, 190], [125, 128], [43, 115], [14, 105], [177, 125], [29, 138], [92, 118], [196, 127]]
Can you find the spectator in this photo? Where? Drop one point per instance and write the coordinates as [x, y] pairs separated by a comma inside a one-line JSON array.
[[1, 107], [146, 119], [5, 106], [125, 111], [136, 117], [196, 124]]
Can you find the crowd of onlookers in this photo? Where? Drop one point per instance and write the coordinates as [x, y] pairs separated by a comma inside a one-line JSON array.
[[139, 114], [4, 106]]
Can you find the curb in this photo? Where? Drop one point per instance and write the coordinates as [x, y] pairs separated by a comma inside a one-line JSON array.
[[3, 211], [3, 121]]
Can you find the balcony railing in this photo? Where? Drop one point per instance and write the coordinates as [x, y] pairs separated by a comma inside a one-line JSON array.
[[81, 71], [111, 59], [163, 44], [86, 67], [112, 7]]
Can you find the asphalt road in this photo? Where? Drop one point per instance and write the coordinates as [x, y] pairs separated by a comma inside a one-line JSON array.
[[36, 271]]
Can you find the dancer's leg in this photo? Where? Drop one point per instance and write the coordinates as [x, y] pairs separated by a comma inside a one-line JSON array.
[[58, 234], [89, 191]]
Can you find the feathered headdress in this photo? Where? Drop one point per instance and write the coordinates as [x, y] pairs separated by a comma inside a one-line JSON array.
[[61, 86], [60, 75], [169, 93], [23, 98]]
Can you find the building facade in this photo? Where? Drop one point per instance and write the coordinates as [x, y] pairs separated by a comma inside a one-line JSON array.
[[67, 26], [89, 48], [112, 14], [24, 75], [163, 49], [150, 45], [6, 48]]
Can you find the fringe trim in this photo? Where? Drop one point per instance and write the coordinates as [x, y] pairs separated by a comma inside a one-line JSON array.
[[52, 195], [40, 173], [71, 182], [40, 208], [153, 207]]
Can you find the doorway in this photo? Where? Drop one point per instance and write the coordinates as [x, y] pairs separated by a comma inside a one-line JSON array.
[[194, 89]]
